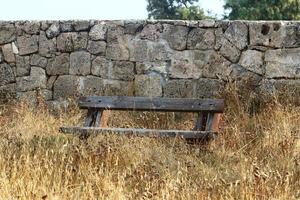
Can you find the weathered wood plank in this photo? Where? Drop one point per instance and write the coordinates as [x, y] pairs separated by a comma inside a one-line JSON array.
[[200, 122], [89, 117], [152, 104], [209, 122], [205, 135], [98, 118]]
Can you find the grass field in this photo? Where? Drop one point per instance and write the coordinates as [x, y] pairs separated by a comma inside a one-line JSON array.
[[256, 156]]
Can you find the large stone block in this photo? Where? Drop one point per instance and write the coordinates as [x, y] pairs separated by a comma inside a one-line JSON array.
[[29, 97], [118, 88], [237, 34], [283, 63], [80, 40], [176, 36], [209, 88], [253, 61], [66, 86], [151, 31], [133, 26], [229, 51], [37, 79], [148, 85], [117, 51], [199, 38], [81, 25], [121, 70], [46, 47], [53, 30], [23, 65], [7, 92], [6, 74], [100, 66], [91, 85], [28, 44], [80, 63], [29, 27], [64, 42], [179, 88], [97, 47], [8, 53], [39, 61], [276, 34], [98, 32], [7, 32], [160, 67], [59, 65]]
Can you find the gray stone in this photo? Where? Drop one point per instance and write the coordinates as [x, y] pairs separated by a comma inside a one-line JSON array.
[[133, 27], [53, 30], [37, 79], [7, 92], [122, 70], [50, 82], [28, 44], [207, 23], [58, 106], [253, 61], [44, 25], [117, 52], [39, 61], [97, 47], [152, 67], [66, 86], [23, 66], [199, 38], [118, 88], [59, 65], [100, 67], [7, 32], [81, 25], [28, 97], [283, 63], [91, 85], [115, 34], [1, 57], [276, 34], [245, 80], [237, 34], [176, 36], [66, 26], [229, 51], [6, 74], [80, 40], [209, 88], [80, 63], [179, 88], [98, 32], [31, 27], [8, 53], [46, 47], [64, 42], [151, 31], [148, 85], [46, 95]]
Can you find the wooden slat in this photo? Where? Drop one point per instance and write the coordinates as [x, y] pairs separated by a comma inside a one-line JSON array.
[[98, 118], [199, 122], [89, 117], [209, 122], [152, 104], [205, 135]]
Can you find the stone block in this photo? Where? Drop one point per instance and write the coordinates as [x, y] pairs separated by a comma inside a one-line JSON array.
[[66, 86], [53, 30], [8, 53], [229, 51], [151, 31], [80, 40], [122, 70], [50, 82], [80, 63], [98, 32], [28, 44], [91, 85], [118, 88], [100, 66], [283, 63], [253, 61], [237, 34], [23, 66], [7, 32], [47, 47], [117, 51], [176, 36], [45, 94], [7, 92], [202, 39], [160, 67], [209, 88], [97, 47], [64, 42], [6, 74], [37, 79], [81, 25], [148, 85], [29, 27], [39, 61], [179, 88], [59, 65], [66, 26], [29, 97], [133, 27]]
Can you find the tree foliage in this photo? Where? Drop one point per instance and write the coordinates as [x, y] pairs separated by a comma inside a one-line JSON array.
[[175, 9], [263, 9]]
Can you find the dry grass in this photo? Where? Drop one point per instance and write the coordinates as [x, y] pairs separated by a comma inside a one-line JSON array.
[[257, 156]]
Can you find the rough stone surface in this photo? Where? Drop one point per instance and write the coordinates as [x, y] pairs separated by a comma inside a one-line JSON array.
[[46, 47], [253, 61], [176, 36], [122, 70], [29, 97], [37, 79], [100, 67], [117, 87], [91, 85], [230, 51], [8, 53], [65, 43], [53, 30], [80, 40], [81, 25], [59, 65], [98, 32], [209, 88], [39, 61], [146, 85], [66, 86], [117, 52], [1, 57], [160, 67], [23, 66], [80, 63], [50, 82], [6, 74], [97, 47], [31, 27], [7, 32], [200, 38], [7, 92], [151, 31], [283, 63], [179, 88], [245, 79], [28, 44], [237, 33]]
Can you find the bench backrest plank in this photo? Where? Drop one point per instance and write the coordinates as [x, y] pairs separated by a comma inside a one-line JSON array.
[[152, 104]]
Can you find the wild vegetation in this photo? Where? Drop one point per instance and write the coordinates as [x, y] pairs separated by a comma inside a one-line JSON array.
[[256, 156]]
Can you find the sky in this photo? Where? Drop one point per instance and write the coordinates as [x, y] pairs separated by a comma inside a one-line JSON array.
[[85, 9]]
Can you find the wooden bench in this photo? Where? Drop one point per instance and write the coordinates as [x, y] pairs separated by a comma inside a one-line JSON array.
[[208, 111]]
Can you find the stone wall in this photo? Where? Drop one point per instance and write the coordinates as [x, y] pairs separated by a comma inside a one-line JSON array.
[[61, 59]]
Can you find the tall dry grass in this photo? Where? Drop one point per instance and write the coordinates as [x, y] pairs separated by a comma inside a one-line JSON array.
[[257, 156]]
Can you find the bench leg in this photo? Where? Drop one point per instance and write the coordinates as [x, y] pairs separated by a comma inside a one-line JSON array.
[[212, 123], [199, 123], [93, 118]]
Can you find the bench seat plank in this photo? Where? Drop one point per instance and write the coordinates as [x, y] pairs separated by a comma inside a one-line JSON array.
[[152, 104], [142, 132]]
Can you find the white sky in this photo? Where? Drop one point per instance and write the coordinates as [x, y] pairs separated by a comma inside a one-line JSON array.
[[84, 9]]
